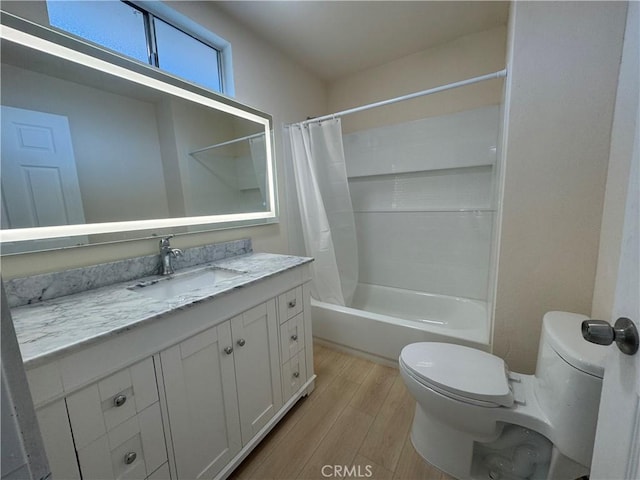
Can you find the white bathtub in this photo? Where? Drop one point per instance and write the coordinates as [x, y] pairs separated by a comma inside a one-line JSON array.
[[381, 320]]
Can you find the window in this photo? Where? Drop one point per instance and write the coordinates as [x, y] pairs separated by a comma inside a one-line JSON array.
[[172, 43]]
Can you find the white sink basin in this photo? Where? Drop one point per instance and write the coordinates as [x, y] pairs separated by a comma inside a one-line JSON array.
[[181, 284]]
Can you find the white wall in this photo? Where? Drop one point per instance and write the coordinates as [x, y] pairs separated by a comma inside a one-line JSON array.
[[264, 78], [463, 58], [563, 71]]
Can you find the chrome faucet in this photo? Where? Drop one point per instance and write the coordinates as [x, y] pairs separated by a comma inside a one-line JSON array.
[[166, 254]]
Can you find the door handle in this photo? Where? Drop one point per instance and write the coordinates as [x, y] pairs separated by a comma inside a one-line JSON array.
[[624, 333]]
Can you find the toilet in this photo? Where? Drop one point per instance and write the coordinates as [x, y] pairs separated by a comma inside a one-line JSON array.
[[475, 419]]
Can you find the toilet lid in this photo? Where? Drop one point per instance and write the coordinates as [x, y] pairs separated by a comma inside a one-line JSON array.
[[462, 371]]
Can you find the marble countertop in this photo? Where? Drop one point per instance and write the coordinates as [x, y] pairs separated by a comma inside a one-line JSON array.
[[58, 326]]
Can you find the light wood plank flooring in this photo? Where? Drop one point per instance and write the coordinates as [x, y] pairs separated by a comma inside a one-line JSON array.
[[359, 415]]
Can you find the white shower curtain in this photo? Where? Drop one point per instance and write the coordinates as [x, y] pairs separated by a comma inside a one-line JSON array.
[[326, 212]]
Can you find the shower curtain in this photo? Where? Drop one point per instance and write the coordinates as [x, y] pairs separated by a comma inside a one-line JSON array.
[[326, 213]]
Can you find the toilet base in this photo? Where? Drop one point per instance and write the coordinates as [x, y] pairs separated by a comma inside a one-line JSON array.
[[563, 467], [442, 446], [462, 456]]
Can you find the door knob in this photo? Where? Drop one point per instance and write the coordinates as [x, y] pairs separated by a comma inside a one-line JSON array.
[[624, 333]]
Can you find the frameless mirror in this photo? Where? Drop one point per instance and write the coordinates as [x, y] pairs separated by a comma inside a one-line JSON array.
[[97, 147]]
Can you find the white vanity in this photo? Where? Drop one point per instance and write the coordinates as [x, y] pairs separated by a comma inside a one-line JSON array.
[[126, 385]]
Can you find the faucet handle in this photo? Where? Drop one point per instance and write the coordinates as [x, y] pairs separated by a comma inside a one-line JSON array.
[[164, 241]]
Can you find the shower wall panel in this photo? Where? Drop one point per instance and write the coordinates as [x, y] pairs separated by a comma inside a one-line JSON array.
[[422, 197]]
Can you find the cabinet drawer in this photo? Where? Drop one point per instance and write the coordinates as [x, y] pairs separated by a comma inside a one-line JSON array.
[[294, 374], [290, 304], [132, 450], [98, 408], [291, 337]]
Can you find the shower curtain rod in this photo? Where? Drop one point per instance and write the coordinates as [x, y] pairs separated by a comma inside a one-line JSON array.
[[236, 140], [442, 88]]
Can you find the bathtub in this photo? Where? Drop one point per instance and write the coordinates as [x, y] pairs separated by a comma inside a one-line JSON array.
[[381, 320]]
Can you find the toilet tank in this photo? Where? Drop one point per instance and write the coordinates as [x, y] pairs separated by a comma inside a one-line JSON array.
[[568, 383]]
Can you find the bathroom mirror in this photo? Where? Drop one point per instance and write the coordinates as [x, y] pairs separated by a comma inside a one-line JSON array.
[[97, 147]]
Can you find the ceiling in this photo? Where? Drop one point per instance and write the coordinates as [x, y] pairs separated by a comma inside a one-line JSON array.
[[337, 38]]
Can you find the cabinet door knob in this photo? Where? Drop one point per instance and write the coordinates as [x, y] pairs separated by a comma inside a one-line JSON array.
[[241, 342], [119, 400], [228, 350], [130, 457], [294, 337], [292, 303], [296, 374]]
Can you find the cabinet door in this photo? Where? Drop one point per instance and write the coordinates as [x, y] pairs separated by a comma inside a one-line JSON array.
[[257, 361], [58, 441], [202, 403]]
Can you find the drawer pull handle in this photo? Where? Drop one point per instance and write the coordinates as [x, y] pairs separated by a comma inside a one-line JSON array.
[[228, 350], [130, 457], [292, 303], [241, 342], [119, 400], [296, 374], [294, 337]]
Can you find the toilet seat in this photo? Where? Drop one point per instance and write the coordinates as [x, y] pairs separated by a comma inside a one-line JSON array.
[[462, 373]]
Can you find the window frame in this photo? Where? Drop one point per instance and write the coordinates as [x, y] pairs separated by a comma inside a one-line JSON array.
[[151, 10], [194, 30]]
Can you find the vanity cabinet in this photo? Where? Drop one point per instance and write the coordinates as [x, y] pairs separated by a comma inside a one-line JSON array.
[[117, 425], [58, 440], [222, 386], [202, 402], [187, 396], [292, 342], [257, 360]]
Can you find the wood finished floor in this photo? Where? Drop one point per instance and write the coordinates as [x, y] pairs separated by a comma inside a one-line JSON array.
[[359, 415]]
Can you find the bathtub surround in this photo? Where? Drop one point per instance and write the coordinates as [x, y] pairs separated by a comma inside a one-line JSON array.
[[422, 193], [422, 196]]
